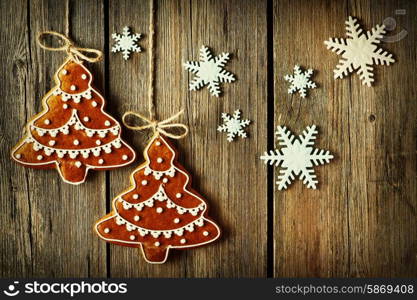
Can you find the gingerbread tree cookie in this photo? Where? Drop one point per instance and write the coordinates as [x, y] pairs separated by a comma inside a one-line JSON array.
[[73, 133], [160, 210]]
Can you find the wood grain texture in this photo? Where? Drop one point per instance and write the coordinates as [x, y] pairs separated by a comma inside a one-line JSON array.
[[360, 222]]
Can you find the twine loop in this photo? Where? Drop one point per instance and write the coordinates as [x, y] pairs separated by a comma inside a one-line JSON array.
[[68, 46], [157, 126]]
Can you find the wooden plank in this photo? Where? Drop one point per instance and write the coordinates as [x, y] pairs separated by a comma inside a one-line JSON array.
[[382, 189], [57, 217], [361, 222], [16, 242], [311, 226], [219, 174]]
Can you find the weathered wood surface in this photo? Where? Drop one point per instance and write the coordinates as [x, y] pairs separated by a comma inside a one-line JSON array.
[[361, 222]]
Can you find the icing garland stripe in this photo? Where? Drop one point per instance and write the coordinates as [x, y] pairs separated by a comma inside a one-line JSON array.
[[158, 174], [161, 195], [76, 97], [78, 125], [74, 153]]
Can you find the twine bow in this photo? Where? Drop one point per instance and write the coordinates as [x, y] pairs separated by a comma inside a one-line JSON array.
[[157, 126], [69, 47]]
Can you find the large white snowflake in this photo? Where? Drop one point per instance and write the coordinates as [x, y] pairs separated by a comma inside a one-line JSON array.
[[233, 125], [126, 42], [297, 157], [209, 71], [300, 81], [360, 51]]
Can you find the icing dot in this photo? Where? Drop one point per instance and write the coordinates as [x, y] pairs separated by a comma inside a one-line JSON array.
[[183, 241], [157, 244], [78, 164], [64, 72], [40, 157], [47, 122], [73, 88], [136, 218], [100, 161], [205, 233], [159, 160], [94, 103], [84, 76], [135, 196], [124, 157], [98, 142], [18, 155], [86, 119], [76, 142], [51, 143], [159, 210], [65, 106], [144, 182], [178, 195], [106, 230], [107, 123], [132, 237], [158, 143], [165, 180], [176, 220]]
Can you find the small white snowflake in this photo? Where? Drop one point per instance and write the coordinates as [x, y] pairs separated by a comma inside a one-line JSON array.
[[233, 125], [359, 52], [209, 70], [126, 42], [297, 157], [300, 81]]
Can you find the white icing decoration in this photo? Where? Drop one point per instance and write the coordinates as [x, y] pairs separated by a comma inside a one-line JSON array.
[[136, 218], [65, 106], [125, 157], [64, 72], [107, 123], [94, 103], [73, 88], [47, 122], [176, 220], [132, 237], [76, 142], [39, 157], [157, 244], [159, 210], [98, 142], [18, 156], [78, 164], [76, 123], [158, 174], [178, 195], [183, 241], [158, 143], [161, 196], [159, 160], [144, 182], [51, 143], [76, 97], [84, 77], [86, 119], [165, 180], [205, 233], [106, 230], [100, 161], [135, 196]]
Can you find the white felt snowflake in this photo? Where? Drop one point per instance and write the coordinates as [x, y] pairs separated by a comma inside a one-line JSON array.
[[209, 71], [126, 42], [360, 51], [297, 156], [233, 125], [300, 81]]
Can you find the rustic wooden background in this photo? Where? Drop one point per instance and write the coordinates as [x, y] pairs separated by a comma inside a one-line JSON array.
[[361, 222]]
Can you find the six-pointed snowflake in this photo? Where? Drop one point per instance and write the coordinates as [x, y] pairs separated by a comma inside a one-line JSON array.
[[209, 71], [297, 157], [360, 51], [300, 81], [126, 42], [233, 125]]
